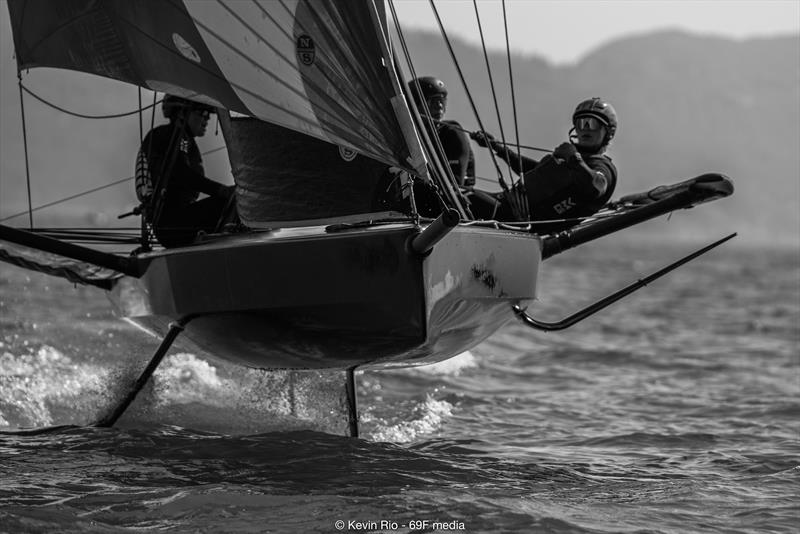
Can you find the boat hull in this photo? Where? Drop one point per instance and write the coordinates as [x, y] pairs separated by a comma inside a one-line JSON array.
[[316, 298]]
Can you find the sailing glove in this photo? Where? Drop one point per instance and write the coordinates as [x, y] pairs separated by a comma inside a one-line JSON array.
[[484, 139], [566, 151]]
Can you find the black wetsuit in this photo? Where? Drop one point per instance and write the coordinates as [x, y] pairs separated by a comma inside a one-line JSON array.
[[182, 215], [459, 156], [458, 151], [554, 190]]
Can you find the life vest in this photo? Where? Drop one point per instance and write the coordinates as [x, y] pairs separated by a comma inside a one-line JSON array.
[[563, 191], [457, 150], [154, 153]]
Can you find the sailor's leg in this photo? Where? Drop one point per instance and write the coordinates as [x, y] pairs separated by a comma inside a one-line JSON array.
[[352, 405], [174, 329]]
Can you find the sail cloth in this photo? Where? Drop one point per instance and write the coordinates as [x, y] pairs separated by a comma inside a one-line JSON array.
[[285, 178], [319, 67]]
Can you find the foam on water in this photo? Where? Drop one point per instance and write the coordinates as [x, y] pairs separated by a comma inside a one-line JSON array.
[[43, 386], [192, 392], [427, 418], [674, 412]]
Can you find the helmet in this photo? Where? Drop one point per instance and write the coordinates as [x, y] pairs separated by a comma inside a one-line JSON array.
[[600, 109], [430, 87], [172, 104]]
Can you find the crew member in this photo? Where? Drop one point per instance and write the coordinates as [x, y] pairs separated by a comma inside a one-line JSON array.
[[573, 182], [452, 136], [170, 176]]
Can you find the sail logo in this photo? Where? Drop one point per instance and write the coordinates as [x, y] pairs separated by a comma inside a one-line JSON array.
[[305, 50], [347, 154], [185, 48]]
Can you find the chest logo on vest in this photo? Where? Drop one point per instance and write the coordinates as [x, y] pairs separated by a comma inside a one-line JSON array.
[[305, 50], [563, 206]]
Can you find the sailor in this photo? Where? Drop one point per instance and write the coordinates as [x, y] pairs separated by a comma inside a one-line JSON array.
[[170, 176], [452, 136], [575, 181]]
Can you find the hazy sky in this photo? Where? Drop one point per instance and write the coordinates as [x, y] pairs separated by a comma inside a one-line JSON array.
[[563, 30]]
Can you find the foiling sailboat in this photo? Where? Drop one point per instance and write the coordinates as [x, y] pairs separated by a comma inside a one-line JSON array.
[[335, 267]]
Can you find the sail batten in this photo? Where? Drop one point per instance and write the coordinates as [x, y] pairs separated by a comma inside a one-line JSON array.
[[314, 66], [332, 92], [316, 91]]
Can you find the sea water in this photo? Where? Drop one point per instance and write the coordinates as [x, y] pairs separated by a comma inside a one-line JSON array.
[[673, 411]]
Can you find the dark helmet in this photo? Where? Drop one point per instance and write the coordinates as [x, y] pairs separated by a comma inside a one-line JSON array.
[[172, 104], [430, 87], [602, 111]]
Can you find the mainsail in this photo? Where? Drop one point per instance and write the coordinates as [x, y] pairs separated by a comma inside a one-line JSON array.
[[322, 68]]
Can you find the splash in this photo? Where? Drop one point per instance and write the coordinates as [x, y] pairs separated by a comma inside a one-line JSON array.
[[191, 392], [451, 367], [45, 386], [430, 416]]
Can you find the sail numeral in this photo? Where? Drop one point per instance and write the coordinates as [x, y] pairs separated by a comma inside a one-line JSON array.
[[305, 50]]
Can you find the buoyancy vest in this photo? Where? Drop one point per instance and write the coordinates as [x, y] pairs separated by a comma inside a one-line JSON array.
[[153, 158], [457, 150], [564, 190]]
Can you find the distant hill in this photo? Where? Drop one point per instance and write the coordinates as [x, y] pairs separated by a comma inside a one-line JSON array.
[[688, 104]]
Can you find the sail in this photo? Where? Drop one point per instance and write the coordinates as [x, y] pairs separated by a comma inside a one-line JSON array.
[[320, 67], [285, 178]]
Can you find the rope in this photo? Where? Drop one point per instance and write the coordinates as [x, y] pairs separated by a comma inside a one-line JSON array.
[[81, 115]]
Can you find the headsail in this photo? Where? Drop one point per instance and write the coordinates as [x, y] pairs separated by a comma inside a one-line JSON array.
[[322, 68]]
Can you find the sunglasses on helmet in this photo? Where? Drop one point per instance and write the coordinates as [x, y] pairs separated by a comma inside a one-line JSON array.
[[588, 123]]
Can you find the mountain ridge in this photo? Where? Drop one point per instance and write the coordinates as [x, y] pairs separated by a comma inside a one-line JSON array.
[[688, 104]]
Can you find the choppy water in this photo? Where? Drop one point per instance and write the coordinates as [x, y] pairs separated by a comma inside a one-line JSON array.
[[676, 411]]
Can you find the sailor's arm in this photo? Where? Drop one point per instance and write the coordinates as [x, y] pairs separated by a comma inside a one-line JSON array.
[[518, 163], [597, 181], [192, 179], [596, 176]]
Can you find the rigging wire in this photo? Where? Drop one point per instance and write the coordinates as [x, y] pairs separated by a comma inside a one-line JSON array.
[[89, 191], [81, 115], [144, 226], [500, 177], [491, 84], [25, 145], [524, 196], [511, 85], [141, 131], [431, 143], [515, 200], [514, 145]]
